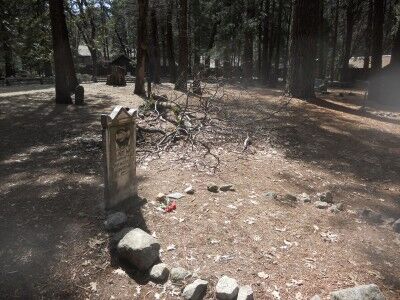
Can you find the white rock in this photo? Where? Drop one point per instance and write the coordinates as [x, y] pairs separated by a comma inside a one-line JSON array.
[[196, 290], [159, 272], [227, 288], [189, 190], [304, 197], [361, 292], [245, 293], [175, 195], [139, 248], [321, 204], [179, 274]]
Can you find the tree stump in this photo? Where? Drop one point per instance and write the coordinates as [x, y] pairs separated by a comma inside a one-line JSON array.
[[117, 76], [79, 95]]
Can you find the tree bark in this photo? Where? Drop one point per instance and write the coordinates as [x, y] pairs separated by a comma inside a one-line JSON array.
[[395, 59], [8, 59], [265, 42], [368, 31], [248, 43], [321, 46], [278, 42], [141, 48], [170, 43], [181, 82], [214, 29], [155, 49], [348, 37], [66, 81], [377, 35], [334, 42], [303, 48]]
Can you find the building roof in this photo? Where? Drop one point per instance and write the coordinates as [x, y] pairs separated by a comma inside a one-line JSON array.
[[357, 62]]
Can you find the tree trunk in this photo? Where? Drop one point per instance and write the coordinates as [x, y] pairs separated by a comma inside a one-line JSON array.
[[93, 54], [8, 59], [248, 43], [334, 42], [368, 31], [207, 60], [321, 47], [271, 41], [265, 53], [348, 37], [395, 59], [377, 35], [155, 49], [170, 43], [163, 48], [303, 48], [181, 83], [66, 81], [141, 48], [286, 58], [278, 42]]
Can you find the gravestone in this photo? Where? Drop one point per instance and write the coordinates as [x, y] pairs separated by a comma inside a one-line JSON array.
[[119, 154]]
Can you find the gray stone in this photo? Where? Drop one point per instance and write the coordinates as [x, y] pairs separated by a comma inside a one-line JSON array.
[[179, 274], [175, 195], [161, 197], [159, 272], [118, 236], [340, 206], [316, 297], [189, 190], [321, 204], [119, 152], [271, 195], [334, 209], [325, 197], [139, 248], [304, 197], [226, 188], [213, 188], [362, 292], [115, 221], [196, 290], [227, 288], [245, 293], [289, 198], [396, 226]]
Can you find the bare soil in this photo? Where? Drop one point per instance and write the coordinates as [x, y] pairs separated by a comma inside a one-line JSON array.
[[51, 189]]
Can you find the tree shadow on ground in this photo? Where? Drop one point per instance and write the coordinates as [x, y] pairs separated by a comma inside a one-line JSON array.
[[330, 105], [324, 138], [51, 176]]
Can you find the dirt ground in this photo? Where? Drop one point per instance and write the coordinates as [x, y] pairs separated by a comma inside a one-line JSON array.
[[51, 188]]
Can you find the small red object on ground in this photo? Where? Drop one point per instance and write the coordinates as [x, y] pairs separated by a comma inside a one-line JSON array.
[[171, 207]]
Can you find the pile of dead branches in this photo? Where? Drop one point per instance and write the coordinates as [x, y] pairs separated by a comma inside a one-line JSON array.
[[165, 120]]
